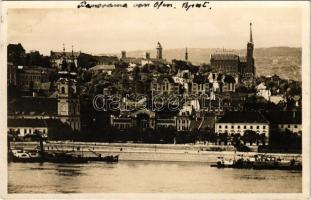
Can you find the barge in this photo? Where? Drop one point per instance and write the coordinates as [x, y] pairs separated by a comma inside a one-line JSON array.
[[258, 162]]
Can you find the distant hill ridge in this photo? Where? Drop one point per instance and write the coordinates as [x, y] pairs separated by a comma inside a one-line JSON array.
[[284, 61]]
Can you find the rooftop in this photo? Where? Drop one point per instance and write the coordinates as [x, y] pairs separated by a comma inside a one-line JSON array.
[[27, 123], [33, 105], [224, 56], [284, 117], [56, 54], [102, 67], [243, 117]]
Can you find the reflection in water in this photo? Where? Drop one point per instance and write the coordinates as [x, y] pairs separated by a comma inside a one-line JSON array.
[[69, 172], [145, 176]]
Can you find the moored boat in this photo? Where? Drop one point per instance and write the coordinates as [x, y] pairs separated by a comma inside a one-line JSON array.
[[258, 162], [39, 155]]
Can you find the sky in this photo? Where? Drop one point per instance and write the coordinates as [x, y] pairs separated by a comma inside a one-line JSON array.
[[108, 31]]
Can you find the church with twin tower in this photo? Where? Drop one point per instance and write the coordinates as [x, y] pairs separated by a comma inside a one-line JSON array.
[[68, 101]]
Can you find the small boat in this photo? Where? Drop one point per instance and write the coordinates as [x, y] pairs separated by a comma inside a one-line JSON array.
[[224, 163], [20, 155]]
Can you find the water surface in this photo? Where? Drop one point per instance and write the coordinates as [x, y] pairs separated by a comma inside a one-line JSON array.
[[147, 176]]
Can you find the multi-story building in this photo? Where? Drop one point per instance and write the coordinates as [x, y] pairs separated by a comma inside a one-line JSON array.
[[263, 91], [142, 118], [121, 122], [27, 77], [139, 120], [285, 120], [215, 106], [232, 64], [46, 127], [227, 63], [221, 82], [184, 117], [239, 122], [164, 85], [200, 85], [11, 74], [166, 123], [23, 127], [65, 108]]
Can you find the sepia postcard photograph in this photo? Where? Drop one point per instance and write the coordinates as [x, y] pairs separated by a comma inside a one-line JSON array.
[[155, 100]]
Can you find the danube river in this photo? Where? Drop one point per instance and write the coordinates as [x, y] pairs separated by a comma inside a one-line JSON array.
[[146, 176]]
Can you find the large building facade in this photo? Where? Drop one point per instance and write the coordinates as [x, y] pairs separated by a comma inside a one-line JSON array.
[[57, 58], [232, 64], [239, 122]]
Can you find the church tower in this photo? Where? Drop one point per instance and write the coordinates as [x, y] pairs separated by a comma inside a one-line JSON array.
[[73, 64], [68, 101], [186, 55], [250, 64], [159, 51]]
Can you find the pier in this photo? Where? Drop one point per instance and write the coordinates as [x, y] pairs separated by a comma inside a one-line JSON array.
[[148, 152]]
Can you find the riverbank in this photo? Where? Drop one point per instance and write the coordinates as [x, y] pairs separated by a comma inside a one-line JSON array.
[[147, 152]]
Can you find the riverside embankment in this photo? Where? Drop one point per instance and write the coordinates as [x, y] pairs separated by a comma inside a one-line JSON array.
[[146, 152]]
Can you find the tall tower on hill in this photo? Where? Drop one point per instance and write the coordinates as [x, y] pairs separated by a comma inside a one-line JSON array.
[[250, 64], [186, 55], [159, 51]]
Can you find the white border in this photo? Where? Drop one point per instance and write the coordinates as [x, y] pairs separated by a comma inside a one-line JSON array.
[[305, 5]]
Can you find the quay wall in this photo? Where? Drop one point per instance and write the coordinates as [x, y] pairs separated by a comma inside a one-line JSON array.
[[145, 152]]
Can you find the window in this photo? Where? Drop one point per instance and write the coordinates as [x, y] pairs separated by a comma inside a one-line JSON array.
[[63, 90], [282, 126], [296, 126], [219, 126], [238, 127], [232, 126], [288, 126], [251, 127], [263, 127], [257, 127], [244, 127], [226, 126]]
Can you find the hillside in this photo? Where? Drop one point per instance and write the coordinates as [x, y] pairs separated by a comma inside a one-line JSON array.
[[284, 61]]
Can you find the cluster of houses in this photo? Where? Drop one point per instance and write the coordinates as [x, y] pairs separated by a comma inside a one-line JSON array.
[[207, 101]]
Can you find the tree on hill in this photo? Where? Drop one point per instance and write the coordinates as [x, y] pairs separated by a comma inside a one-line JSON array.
[[34, 58], [86, 61], [16, 54]]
